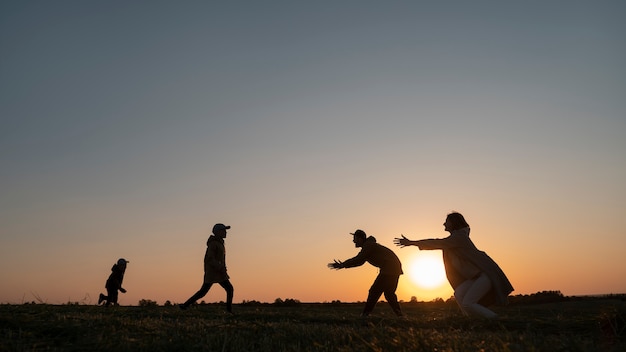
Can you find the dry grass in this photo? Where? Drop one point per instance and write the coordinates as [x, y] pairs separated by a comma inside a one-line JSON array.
[[568, 326]]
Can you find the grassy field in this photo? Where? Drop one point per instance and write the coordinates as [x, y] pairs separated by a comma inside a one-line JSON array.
[[590, 325]]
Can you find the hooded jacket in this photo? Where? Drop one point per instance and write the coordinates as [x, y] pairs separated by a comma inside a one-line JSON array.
[[215, 260], [377, 255], [463, 261], [114, 281]]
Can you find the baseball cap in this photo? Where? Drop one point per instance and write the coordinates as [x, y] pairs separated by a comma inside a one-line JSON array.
[[122, 261], [358, 233], [218, 227]]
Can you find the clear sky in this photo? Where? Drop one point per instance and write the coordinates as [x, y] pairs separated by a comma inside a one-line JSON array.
[[129, 128]]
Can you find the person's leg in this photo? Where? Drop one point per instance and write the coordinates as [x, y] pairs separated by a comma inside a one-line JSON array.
[[391, 284], [478, 289], [112, 296], [203, 291], [374, 293], [101, 298], [460, 292], [229, 294]]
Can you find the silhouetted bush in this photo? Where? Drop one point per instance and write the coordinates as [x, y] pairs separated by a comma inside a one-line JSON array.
[[251, 303], [147, 303], [289, 302]]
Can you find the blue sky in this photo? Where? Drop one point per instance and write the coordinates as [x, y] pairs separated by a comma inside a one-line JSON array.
[[130, 128]]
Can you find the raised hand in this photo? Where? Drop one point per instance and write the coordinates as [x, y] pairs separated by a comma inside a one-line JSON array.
[[402, 242], [336, 264]]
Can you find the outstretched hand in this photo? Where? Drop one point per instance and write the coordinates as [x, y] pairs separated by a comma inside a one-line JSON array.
[[402, 242], [123, 290], [336, 264]]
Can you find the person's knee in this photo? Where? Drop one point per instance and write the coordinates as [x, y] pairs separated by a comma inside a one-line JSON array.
[[229, 290]]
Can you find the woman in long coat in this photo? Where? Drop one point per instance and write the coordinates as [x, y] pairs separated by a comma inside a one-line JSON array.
[[477, 280]]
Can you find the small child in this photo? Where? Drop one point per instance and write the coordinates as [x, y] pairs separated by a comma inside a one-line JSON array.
[[114, 282]]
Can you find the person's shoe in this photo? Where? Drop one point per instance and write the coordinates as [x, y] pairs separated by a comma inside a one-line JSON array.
[[100, 299]]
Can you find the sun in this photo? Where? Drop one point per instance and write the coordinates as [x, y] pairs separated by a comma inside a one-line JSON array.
[[426, 270]]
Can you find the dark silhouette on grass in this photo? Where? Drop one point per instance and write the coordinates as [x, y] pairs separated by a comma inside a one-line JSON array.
[[477, 280], [214, 268], [390, 270], [114, 283]]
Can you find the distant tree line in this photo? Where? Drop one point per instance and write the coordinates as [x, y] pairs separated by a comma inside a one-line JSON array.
[[539, 298], [533, 298]]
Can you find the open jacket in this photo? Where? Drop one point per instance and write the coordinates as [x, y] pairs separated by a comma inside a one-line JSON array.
[[377, 255], [215, 260], [463, 261]]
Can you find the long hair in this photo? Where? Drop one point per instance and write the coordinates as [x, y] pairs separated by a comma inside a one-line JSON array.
[[457, 221]]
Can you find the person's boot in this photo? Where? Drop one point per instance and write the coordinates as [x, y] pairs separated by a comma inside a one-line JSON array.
[[101, 298]]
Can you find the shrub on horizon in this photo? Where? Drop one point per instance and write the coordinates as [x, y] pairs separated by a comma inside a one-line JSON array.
[[147, 303]]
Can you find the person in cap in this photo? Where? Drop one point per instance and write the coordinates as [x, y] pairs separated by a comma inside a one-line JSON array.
[[214, 268], [390, 270], [114, 283], [477, 280]]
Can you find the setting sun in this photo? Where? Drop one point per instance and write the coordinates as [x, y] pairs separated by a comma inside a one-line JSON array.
[[426, 270]]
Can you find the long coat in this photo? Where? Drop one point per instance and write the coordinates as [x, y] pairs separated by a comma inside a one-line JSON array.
[[215, 261], [463, 261], [377, 255]]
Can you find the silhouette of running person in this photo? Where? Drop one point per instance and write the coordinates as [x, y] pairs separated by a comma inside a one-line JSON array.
[[390, 270], [114, 283], [214, 268], [477, 280]]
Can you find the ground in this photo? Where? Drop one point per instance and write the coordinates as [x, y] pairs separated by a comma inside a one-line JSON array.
[[588, 325]]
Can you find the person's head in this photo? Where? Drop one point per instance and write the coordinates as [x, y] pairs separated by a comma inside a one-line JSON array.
[[358, 237], [455, 221], [122, 263], [220, 230]]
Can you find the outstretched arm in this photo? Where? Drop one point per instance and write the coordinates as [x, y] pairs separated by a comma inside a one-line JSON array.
[[352, 262], [424, 244]]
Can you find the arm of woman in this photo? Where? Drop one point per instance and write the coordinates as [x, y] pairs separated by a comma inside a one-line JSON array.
[[404, 242], [442, 243], [432, 243]]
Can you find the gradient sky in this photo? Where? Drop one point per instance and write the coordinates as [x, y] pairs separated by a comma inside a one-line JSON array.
[[128, 128]]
